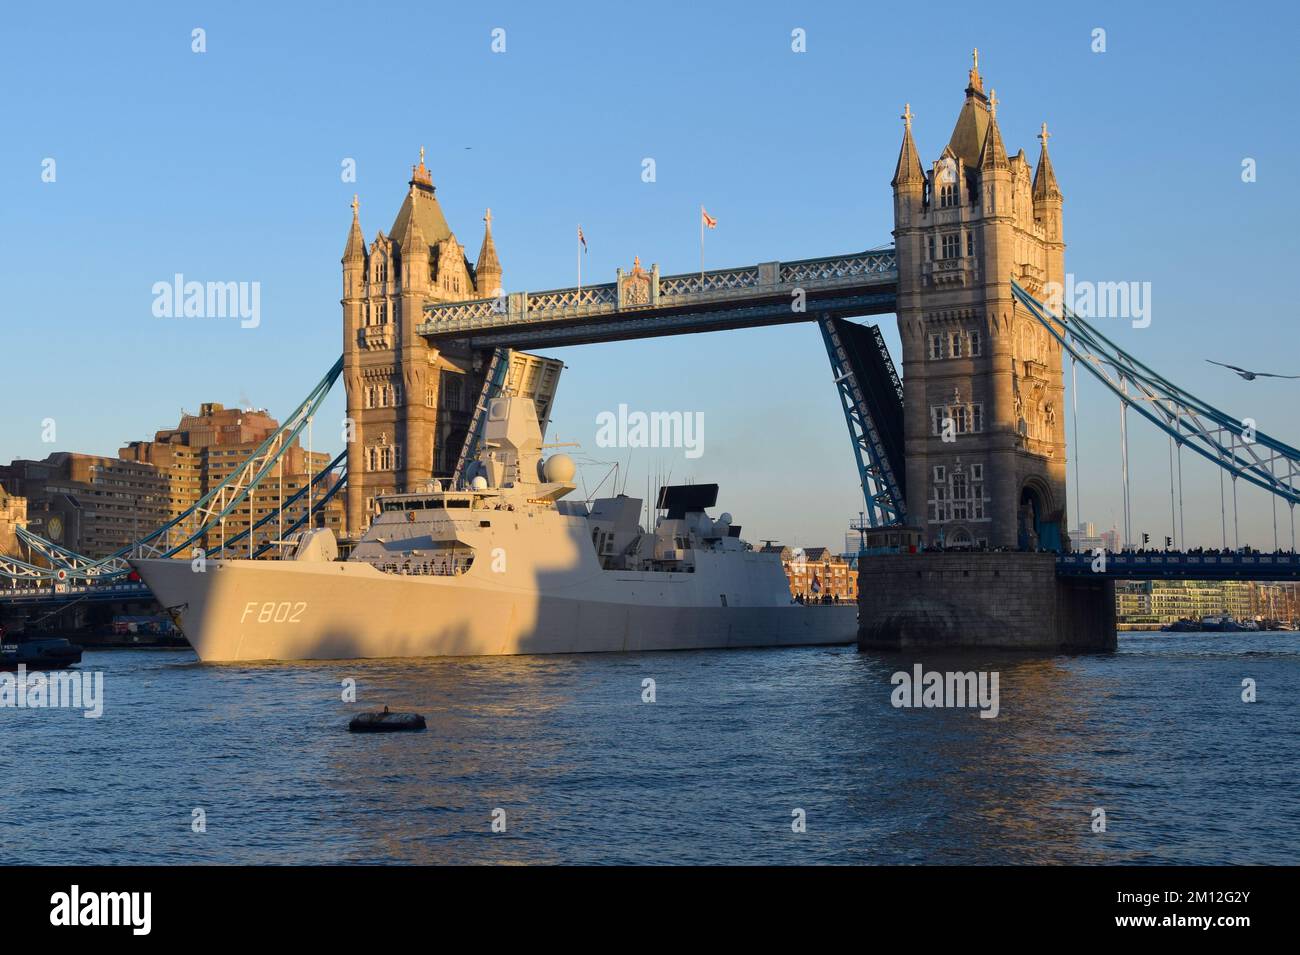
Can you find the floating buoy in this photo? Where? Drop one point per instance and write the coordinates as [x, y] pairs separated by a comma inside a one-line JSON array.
[[386, 722]]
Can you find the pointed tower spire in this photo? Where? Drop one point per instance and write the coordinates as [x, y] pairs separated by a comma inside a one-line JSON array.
[[994, 153], [487, 273], [356, 247], [1045, 186], [420, 175], [972, 126], [909, 162], [974, 83]]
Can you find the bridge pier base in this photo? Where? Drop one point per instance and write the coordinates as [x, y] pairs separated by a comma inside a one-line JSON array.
[[1002, 600]]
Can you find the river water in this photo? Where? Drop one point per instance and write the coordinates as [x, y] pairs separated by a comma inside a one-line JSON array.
[[715, 770]]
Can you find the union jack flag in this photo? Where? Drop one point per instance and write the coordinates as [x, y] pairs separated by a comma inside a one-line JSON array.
[[707, 219]]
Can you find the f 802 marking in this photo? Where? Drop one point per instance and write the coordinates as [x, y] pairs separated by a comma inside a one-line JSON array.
[[270, 611]]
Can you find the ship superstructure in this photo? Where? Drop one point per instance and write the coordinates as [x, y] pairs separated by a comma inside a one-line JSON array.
[[507, 563]]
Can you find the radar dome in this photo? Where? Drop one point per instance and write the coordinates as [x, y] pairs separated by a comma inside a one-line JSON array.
[[725, 518], [479, 483], [559, 469]]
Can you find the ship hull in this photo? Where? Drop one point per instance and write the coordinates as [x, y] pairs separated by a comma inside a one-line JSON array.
[[283, 610]]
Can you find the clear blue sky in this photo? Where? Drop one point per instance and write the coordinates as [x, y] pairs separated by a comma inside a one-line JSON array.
[[226, 166]]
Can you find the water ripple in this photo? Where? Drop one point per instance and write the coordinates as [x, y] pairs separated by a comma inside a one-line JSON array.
[[1156, 735]]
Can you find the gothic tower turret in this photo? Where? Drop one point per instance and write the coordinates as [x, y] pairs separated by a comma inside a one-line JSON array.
[[1047, 211], [355, 272], [402, 428], [487, 271], [983, 423]]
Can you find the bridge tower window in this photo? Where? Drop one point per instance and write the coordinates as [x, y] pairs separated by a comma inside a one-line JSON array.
[[960, 497], [951, 245], [936, 346], [962, 416]]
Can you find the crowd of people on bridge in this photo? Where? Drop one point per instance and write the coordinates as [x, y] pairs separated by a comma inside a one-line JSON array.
[[1243, 551]]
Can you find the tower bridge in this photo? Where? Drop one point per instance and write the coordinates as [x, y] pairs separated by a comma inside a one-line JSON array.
[[966, 448], [644, 304]]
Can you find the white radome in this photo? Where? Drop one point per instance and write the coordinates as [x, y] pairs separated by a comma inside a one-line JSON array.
[[559, 469]]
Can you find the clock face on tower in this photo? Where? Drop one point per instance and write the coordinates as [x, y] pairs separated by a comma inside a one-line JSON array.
[[55, 528]]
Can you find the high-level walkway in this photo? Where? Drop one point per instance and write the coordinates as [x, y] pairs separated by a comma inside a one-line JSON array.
[[641, 304]]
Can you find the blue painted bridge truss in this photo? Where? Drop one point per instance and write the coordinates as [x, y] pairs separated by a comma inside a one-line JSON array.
[[1234, 444]]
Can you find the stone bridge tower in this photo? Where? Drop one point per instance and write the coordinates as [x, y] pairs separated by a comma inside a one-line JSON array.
[[983, 392], [410, 403]]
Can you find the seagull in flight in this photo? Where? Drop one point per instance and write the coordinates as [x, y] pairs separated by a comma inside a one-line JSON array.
[[1249, 375]]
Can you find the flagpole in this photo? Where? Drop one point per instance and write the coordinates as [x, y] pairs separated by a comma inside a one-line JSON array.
[[701, 248], [579, 246]]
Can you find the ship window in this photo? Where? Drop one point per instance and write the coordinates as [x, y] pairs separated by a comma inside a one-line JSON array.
[[484, 523]]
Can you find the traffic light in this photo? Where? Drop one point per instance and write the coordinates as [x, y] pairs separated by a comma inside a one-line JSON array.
[[1169, 542], [1146, 538]]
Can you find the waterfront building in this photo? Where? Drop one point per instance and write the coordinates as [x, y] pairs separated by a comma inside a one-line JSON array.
[[1239, 598], [814, 572], [206, 448], [92, 504], [1168, 601], [1133, 603], [13, 514]]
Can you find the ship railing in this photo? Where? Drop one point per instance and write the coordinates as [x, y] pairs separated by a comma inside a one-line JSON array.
[[427, 568]]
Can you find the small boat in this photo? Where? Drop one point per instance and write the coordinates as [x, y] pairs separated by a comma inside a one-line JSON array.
[[386, 722], [39, 653]]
